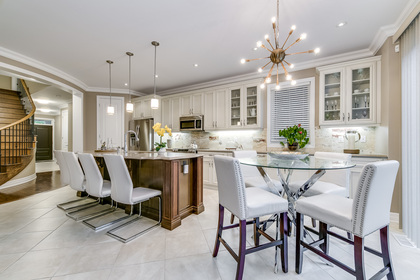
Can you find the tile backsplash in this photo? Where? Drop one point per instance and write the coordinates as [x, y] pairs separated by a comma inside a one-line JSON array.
[[326, 139]]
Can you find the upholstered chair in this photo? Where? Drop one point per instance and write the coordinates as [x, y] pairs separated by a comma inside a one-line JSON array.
[[247, 204], [368, 212], [122, 191]]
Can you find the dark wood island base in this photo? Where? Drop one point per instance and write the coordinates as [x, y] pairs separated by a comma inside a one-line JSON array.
[[178, 176]]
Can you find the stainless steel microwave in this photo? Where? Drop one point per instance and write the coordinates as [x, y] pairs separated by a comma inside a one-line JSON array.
[[191, 123]]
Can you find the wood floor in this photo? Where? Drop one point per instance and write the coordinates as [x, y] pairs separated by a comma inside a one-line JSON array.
[[45, 181]]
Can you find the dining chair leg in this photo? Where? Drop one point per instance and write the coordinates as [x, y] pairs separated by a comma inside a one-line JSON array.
[[283, 235], [384, 236], [232, 218], [256, 234], [359, 248], [242, 250], [323, 235], [313, 222], [219, 230], [299, 249]]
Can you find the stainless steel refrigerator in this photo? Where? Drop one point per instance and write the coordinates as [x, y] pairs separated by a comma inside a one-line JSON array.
[[144, 130]]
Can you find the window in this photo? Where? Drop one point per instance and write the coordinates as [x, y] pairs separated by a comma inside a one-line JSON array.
[[289, 106]]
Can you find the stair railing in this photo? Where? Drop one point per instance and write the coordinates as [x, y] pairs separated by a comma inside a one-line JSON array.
[[18, 137]]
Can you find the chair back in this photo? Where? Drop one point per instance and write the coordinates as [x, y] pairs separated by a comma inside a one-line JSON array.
[[247, 170], [231, 185], [340, 177], [77, 178], [372, 202], [64, 171], [94, 180], [121, 184]]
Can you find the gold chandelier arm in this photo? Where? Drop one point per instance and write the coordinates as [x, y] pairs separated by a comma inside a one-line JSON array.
[[262, 46], [284, 68], [298, 40], [248, 60], [265, 65], [268, 40], [310, 51], [290, 33], [271, 70]]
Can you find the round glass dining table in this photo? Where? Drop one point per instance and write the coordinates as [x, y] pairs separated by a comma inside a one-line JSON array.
[[288, 164]]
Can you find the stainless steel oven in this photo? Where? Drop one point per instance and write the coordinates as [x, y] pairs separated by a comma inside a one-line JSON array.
[[192, 123]]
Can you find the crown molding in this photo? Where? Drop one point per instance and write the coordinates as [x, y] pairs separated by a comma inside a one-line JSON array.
[[41, 66]]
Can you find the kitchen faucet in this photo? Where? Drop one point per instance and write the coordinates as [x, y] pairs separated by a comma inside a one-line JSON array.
[[125, 140]]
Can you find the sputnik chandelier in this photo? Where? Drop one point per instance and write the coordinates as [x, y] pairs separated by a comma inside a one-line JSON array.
[[278, 54]]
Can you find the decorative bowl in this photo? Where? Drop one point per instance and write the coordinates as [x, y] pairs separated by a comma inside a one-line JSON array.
[[288, 155]]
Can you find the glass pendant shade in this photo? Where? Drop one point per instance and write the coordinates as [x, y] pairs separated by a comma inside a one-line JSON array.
[[129, 107], [110, 110], [154, 103]]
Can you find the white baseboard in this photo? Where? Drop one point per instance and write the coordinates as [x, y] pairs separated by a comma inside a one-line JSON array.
[[19, 181]]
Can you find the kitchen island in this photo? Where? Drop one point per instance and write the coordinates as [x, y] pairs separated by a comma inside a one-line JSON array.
[[179, 176]]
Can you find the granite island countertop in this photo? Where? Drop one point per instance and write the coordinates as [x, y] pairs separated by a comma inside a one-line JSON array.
[[143, 155]]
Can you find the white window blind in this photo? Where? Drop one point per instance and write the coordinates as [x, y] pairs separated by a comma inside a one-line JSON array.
[[289, 106]]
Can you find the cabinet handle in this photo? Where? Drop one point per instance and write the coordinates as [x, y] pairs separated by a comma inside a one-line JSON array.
[[213, 123], [216, 123], [343, 117], [348, 116]]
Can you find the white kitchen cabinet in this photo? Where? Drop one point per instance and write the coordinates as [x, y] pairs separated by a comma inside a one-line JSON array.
[[349, 93], [192, 104], [143, 109], [171, 111], [244, 107], [215, 109], [209, 169]]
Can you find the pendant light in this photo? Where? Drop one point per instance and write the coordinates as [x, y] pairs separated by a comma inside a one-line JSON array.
[[110, 109], [129, 107], [154, 103]]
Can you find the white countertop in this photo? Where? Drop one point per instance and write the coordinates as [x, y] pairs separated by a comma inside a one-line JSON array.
[[141, 155]]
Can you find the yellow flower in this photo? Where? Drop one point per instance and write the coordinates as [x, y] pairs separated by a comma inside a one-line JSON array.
[[156, 127]]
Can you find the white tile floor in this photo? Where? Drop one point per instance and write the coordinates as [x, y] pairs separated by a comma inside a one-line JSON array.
[[37, 241]]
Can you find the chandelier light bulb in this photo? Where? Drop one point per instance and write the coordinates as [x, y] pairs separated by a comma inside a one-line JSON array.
[[289, 77], [277, 87], [317, 50], [303, 36], [262, 86], [268, 80], [292, 66], [266, 36], [259, 44], [273, 19], [293, 82], [293, 27], [243, 60], [259, 70]]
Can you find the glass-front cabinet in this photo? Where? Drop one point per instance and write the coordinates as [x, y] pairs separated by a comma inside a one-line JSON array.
[[244, 104], [350, 93]]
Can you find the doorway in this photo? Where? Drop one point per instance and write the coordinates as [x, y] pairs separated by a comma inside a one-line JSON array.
[[44, 142]]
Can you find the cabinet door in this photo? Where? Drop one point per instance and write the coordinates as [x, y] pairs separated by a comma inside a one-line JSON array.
[[137, 109], [167, 112], [220, 109], [146, 109], [250, 106], [209, 117], [207, 170], [186, 105], [176, 112], [332, 107], [235, 120], [197, 104], [361, 97]]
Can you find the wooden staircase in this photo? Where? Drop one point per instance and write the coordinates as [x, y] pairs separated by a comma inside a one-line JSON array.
[[16, 132]]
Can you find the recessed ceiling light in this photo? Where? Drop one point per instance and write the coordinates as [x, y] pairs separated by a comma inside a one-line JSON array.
[[255, 48], [126, 84], [341, 24], [45, 110], [195, 65]]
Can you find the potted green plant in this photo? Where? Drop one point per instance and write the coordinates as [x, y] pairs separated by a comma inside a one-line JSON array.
[[296, 137]]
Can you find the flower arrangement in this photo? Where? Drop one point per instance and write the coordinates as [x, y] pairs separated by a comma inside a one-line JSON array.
[[161, 132], [295, 134]]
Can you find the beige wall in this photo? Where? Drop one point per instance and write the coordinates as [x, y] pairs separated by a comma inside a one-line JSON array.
[[5, 82], [390, 128], [89, 125]]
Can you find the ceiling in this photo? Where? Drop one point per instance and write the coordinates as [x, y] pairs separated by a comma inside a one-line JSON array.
[[77, 37]]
